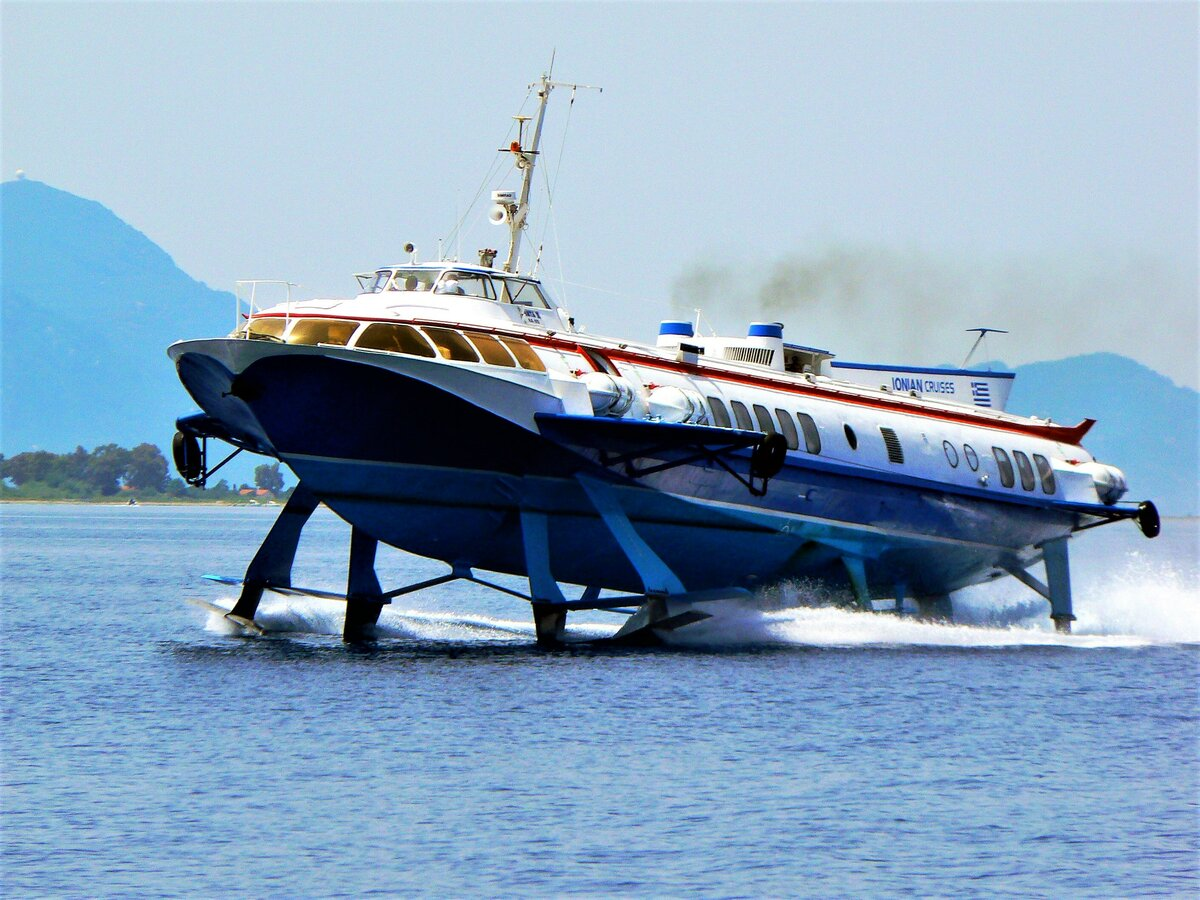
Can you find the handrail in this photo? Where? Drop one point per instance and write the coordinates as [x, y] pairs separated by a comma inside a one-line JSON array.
[[252, 300]]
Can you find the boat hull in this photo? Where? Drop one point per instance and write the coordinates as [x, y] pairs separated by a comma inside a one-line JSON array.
[[442, 461]]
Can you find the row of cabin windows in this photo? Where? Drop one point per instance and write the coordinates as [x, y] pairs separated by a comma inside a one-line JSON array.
[[427, 341], [787, 425], [1045, 472]]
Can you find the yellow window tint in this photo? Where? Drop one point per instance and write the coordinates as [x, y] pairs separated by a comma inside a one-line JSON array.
[[524, 354], [394, 338], [321, 331], [452, 345], [265, 328], [491, 349]]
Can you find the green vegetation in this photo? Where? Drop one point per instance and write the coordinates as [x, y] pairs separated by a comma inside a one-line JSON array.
[[111, 473]]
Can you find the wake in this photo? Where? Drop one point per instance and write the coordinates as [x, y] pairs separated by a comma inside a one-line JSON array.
[[1141, 605]]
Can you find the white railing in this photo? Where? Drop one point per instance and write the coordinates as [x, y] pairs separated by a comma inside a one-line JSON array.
[[248, 292]]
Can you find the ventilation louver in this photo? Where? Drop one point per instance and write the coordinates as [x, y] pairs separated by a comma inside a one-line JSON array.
[[894, 451]]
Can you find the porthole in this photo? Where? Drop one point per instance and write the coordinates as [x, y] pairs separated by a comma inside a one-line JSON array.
[[851, 437], [972, 457], [951, 454]]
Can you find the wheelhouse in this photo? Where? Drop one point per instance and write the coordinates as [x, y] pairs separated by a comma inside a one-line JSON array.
[[483, 284]]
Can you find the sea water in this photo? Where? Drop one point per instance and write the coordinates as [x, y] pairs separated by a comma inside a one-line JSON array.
[[793, 749]]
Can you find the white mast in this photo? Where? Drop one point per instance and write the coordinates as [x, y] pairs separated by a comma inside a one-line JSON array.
[[516, 209]]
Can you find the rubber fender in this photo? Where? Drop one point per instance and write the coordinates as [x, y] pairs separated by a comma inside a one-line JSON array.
[[1148, 520], [768, 456], [186, 450]]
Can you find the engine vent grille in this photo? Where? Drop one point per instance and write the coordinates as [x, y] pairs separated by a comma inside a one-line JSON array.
[[759, 355], [894, 451]]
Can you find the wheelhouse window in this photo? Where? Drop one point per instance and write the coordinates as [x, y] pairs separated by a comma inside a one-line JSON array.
[[812, 437], [469, 284], [321, 331], [765, 424], [951, 454], [788, 427], [265, 329], [742, 415], [1005, 466], [719, 413], [1025, 470], [523, 293], [525, 354], [452, 345], [395, 339], [491, 350], [414, 280], [374, 282], [1045, 473]]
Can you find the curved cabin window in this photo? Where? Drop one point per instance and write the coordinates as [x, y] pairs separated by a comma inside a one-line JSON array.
[[452, 345], [719, 413], [812, 437], [525, 355], [788, 427], [742, 415], [394, 339], [1045, 472], [765, 424], [1005, 467], [851, 437], [1025, 470], [265, 329], [321, 331], [491, 350]]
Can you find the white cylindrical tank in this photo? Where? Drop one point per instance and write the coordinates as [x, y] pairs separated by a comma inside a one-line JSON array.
[[611, 395], [673, 404]]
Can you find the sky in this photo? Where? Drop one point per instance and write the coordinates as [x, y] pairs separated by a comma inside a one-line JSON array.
[[879, 177]]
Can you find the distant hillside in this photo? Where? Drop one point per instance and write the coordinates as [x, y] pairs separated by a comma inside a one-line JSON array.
[[89, 307], [1145, 424]]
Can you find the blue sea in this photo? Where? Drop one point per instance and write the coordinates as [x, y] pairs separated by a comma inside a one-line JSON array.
[[792, 749]]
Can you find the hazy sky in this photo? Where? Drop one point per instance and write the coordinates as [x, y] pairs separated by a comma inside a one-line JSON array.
[[879, 177]]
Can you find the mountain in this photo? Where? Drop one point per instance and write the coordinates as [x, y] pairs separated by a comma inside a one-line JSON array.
[[1146, 425], [89, 306]]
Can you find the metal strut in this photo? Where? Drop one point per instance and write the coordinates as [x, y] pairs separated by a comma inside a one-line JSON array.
[[1058, 575], [272, 564]]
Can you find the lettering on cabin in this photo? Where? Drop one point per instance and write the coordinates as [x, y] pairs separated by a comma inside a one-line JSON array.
[[532, 316], [906, 383]]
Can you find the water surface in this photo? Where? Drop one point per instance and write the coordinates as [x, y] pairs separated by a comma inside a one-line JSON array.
[[148, 751]]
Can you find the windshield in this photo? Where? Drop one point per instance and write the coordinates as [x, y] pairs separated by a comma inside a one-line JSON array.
[[524, 293], [413, 280], [470, 284]]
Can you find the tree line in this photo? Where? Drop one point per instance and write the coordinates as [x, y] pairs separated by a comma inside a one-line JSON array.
[[110, 470]]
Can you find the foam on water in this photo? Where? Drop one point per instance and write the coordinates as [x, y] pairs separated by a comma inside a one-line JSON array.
[[1138, 605]]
